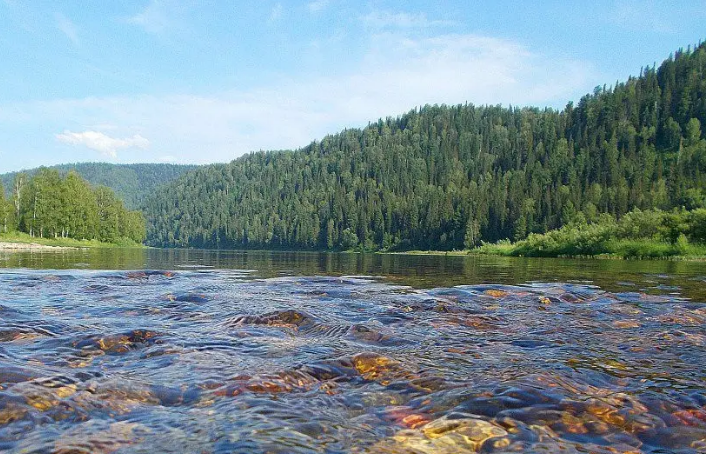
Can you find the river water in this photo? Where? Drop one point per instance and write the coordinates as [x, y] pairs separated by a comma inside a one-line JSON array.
[[121, 351]]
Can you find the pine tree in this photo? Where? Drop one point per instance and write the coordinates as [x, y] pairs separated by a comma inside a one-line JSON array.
[[449, 177]]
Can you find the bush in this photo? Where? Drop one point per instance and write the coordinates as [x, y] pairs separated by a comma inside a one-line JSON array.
[[640, 225], [681, 245], [673, 226], [583, 240], [641, 249], [697, 225], [502, 247], [639, 234]]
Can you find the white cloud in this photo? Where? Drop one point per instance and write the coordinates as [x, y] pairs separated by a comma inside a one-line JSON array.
[[317, 5], [275, 13], [387, 19], [397, 74], [106, 145], [67, 27], [156, 17]]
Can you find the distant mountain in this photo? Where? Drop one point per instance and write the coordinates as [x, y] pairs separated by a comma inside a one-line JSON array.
[[130, 182], [445, 177]]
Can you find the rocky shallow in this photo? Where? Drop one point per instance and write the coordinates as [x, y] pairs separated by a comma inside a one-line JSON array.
[[223, 362]]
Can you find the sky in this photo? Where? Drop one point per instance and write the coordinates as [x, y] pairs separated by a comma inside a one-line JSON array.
[[206, 81]]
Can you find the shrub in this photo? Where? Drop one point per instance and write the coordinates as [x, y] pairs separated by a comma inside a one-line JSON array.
[[639, 234], [640, 224], [571, 240], [641, 249], [697, 225], [673, 226]]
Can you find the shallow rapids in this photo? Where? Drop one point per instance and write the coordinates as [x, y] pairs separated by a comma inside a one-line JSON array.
[[221, 361]]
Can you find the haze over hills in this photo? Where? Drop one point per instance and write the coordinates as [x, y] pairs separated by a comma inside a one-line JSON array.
[[442, 177], [130, 182]]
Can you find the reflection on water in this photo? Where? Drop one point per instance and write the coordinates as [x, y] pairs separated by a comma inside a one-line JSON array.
[[420, 271], [329, 353]]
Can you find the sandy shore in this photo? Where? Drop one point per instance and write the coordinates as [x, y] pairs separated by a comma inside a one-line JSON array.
[[5, 246]]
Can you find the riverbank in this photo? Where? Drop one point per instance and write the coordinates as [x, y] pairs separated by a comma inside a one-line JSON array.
[[675, 235], [21, 247], [541, 246], [19, 242], [622, 250]]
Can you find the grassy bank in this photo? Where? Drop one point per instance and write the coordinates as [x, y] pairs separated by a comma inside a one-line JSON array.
[[619, 249], [653, 234], [643, 250], [23, 238], [638, 235]]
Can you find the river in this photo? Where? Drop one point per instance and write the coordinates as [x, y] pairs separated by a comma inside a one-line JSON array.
[[117, 351]]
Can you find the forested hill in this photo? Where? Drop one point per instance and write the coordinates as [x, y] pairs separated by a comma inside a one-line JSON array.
[[442, 177], [130, 182]]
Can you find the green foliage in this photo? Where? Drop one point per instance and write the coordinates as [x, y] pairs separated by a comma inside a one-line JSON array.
[[640, 224], [502, 247], [638, 234], [20, 237], [472, 236], [570, 240], [642, 249], [48, 205], [445, 177], [681, 245], [349, 239], [132, 183], [697, 225], [5, 212], [673, 227]]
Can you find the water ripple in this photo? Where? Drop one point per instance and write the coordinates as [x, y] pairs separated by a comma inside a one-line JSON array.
[[203, 360]]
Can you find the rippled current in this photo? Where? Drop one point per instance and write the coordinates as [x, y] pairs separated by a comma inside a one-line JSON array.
[[225, 361]]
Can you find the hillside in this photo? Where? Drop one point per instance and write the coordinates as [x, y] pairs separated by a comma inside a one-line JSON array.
[[130, 182], [445, 177]]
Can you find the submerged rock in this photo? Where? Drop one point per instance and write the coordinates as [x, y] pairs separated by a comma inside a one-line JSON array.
[[455, 433], [286, 319], [117, 343]]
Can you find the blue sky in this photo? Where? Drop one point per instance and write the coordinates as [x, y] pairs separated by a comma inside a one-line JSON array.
[[206, 81]]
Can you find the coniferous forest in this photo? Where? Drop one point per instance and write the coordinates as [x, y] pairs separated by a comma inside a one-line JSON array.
[[447, 177], [49, 205]]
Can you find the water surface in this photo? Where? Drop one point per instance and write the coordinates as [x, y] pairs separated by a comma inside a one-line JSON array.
[[275, 352]]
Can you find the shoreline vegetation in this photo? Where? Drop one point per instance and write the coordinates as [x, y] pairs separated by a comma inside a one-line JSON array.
[[22, 242], [131, 183], [500, 251], [620, 174], [651, 234], [445, 177], [48, 209]]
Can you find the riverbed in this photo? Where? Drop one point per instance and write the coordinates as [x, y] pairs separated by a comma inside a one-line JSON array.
[[243, 352]]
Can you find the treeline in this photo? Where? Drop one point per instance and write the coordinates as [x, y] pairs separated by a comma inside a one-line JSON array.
[[638, 234], [48, 205], [130, 182], [447, 177]]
